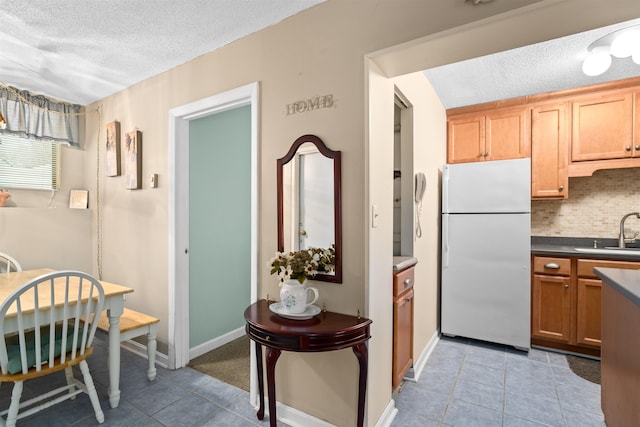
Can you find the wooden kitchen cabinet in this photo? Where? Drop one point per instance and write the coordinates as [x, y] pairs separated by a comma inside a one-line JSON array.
[[496, 134], [550, 137], [566, 303], [402, 324], [551, 299], [603, 127]]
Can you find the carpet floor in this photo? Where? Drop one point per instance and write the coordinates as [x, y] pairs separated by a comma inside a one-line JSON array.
[[228, 363], [588, 369]]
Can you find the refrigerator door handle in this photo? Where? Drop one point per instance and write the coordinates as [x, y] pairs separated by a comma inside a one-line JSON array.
[[445, 241], [445, 189]]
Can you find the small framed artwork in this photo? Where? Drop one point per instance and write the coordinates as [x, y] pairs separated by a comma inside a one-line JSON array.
[[113, 149], [133, 160], [79, 199]]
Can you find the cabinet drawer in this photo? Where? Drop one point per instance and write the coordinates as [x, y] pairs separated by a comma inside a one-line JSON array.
[[586, 266], [552, 265], [402, 281]]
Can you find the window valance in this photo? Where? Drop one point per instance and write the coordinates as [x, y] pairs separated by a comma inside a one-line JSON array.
[[36, 116]]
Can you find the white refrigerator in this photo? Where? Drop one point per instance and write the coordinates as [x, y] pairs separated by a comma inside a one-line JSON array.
[[486, 251]]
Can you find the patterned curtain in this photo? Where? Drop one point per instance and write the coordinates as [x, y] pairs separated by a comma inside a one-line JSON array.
[[36, 116]]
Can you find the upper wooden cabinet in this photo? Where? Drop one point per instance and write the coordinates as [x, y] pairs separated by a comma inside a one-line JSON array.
[[550, 133], [603, 127], [490, 135]]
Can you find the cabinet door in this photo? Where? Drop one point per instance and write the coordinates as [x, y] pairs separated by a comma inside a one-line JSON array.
[[549, 151], [551, 308], [465, 139], [636, 126], [602, 127], [589, 328], [507, 134], [402, 337]]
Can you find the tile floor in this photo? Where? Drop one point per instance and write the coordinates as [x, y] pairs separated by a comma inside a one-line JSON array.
[[465, 383], [468, 383]]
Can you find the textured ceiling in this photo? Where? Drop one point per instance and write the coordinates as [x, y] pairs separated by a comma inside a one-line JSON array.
[[543, 67], [83, 50]]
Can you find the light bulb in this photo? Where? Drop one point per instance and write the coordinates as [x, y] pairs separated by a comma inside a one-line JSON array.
[[625, 43], [596, 63]]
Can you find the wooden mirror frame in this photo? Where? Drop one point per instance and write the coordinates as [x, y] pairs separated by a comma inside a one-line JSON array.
[[337, 205]]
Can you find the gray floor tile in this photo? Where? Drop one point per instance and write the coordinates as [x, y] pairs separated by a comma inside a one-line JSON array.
[[463, 414], [482, 374], [479, 394], [499, 385], [422, 402], [409, 419], [578, 418], [187, 411], [534, 409], [465, 383], [493, 358]]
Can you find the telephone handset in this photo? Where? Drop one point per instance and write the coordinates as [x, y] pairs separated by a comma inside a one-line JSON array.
[[421, 186]]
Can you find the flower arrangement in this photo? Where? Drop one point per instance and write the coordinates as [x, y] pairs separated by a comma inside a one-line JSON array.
[[303, 264]]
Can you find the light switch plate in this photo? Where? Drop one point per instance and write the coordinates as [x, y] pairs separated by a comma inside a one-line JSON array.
[[374, 216], [153, 182]]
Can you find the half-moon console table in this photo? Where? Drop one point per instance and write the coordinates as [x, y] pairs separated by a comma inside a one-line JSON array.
[[325, 332]]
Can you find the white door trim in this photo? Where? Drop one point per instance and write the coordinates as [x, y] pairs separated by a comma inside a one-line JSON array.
[[178, 210]]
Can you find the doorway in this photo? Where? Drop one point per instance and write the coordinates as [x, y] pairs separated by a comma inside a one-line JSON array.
[[181, 347], [403, 185]]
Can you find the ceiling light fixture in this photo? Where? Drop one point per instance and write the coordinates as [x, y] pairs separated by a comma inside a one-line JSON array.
[[620, 44]]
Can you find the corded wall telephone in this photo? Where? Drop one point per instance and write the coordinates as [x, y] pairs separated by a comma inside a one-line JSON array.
[[421, 188]]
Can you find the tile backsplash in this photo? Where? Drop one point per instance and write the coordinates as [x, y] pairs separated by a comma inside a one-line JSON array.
[[594, 207]]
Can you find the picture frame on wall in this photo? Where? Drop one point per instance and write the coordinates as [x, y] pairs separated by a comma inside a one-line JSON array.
[[133, 160], [113, 149]]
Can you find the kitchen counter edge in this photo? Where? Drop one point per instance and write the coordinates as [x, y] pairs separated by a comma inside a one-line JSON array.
[[627, 282]]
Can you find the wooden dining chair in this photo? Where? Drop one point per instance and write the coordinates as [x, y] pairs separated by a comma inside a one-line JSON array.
[[36, 340], [8, 264]]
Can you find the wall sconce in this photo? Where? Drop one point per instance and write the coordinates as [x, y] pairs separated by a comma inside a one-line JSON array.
[[621, 44], [3, 122]]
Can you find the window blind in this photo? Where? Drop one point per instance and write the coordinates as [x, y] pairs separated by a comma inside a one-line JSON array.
[[29, 163]]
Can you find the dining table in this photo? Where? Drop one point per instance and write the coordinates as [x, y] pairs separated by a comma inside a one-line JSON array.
[[114, 297]]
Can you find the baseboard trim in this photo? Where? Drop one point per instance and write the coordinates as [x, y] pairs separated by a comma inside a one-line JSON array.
[[388, 415], [413, 374], [293, 417], [206, 347]]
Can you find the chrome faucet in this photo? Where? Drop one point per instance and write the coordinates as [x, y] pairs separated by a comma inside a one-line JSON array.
[[621, 238]]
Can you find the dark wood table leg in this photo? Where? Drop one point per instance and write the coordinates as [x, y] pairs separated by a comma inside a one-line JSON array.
[[272, 358], [260, 380], [361, 353]]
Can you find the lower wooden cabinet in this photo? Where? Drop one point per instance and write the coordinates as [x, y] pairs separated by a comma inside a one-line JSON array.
[[402, 325], [566, 303]]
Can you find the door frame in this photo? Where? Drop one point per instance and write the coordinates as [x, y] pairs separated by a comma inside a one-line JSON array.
[[178, 210]]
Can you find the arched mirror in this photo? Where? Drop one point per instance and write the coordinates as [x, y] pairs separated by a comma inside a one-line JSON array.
[[309, 208]]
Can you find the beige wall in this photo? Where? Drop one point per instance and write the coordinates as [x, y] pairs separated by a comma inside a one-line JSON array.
[[320, 51], [429, 138]]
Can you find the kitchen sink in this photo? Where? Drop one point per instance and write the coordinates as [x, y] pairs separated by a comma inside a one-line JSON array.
[[611, 250]]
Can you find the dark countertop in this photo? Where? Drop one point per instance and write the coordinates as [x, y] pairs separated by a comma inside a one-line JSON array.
[[627, 282], [565, 246]]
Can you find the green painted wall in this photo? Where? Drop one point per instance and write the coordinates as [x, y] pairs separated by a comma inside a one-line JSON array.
[[219, 223]]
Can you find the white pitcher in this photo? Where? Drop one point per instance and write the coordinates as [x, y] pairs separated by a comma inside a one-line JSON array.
[[295, 296]]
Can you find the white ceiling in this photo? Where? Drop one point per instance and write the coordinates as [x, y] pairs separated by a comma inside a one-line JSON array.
[[83, 50], [543, 67]]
